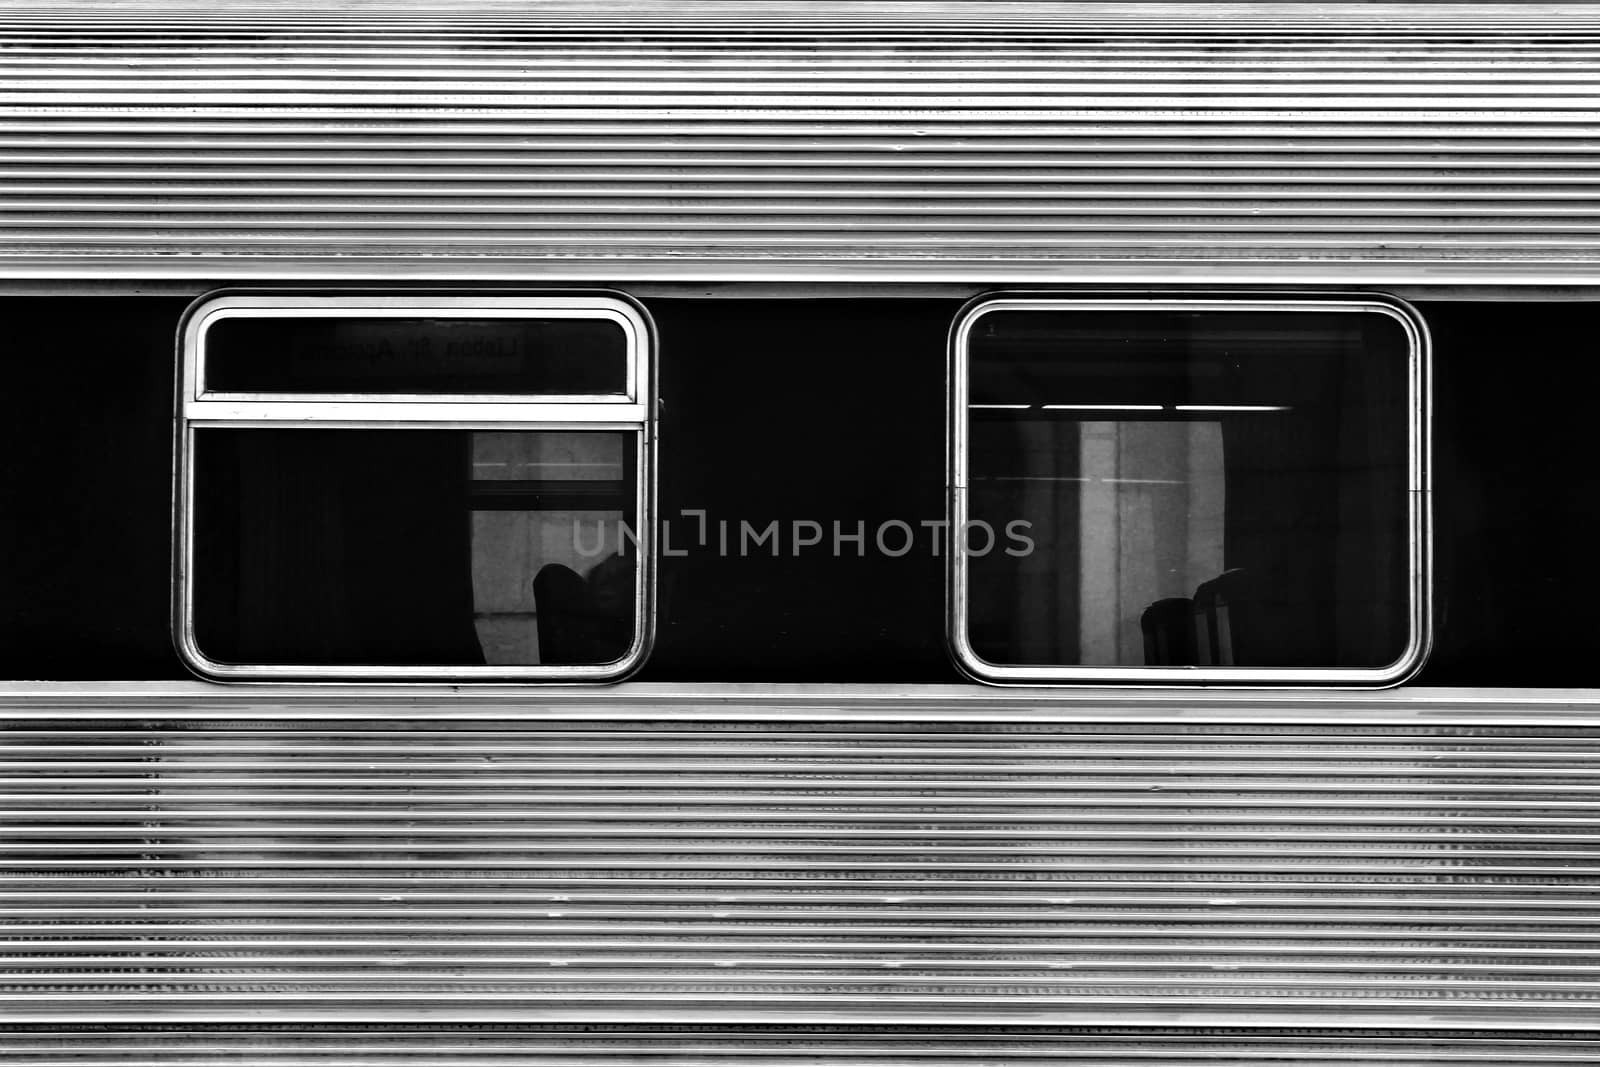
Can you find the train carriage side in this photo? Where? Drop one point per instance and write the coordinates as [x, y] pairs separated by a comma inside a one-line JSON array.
[[799, 533]]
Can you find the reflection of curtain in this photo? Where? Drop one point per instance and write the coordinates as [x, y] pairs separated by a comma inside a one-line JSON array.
[[351, 547], [1312, 499], [1282, 534], [1022, 609], [1370, 589]]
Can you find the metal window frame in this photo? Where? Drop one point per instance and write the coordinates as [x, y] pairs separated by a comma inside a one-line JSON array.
[[198, 408], [1418, 485]]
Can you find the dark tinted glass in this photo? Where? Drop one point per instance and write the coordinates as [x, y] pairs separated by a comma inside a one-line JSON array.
[[414, 547], [427, 356], [1197, 488]]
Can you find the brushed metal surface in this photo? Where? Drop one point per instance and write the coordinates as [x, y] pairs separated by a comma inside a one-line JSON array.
[[1271, 143], [1373, 862]]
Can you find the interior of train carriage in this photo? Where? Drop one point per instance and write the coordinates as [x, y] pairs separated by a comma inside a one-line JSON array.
[[1148, 492]]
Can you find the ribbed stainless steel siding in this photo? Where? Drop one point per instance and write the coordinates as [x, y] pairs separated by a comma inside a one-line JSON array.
[[1378, 864], [594, 1046], [970, 142]]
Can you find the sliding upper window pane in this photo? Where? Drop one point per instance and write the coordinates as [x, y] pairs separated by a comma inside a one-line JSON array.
[[1209, 490], [504, 356]]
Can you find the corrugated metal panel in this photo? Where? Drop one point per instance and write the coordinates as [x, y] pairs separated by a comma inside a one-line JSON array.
[[652, 140], [1375, 864]]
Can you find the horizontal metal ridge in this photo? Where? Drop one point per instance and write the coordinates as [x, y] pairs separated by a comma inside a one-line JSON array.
[[774, 1049], [1024, 142], [1306, 721], [756, 14]]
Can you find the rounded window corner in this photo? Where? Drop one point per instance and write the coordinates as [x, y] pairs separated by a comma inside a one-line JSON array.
[[1087, 408], [415, 486]]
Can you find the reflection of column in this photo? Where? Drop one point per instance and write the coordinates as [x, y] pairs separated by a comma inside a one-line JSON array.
[[1150, 526], [1046, 589], [1149, 523], [1100, 544], [510, 546], [1141, 562], [1206, 503]]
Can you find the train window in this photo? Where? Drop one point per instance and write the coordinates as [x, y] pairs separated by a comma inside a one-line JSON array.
[[1180, 490], [424, 486]]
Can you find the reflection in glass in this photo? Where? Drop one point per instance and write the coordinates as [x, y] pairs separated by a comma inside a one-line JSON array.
[[1203, 488], [505, 356], [414, 547]]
